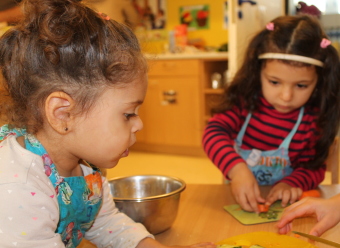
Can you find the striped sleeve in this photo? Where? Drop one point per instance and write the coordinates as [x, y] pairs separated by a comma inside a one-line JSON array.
[[304, 178], [218, 139], [301, 150]]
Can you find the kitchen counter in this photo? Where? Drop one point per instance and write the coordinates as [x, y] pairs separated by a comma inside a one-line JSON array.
[[198, 55], [201, 217]]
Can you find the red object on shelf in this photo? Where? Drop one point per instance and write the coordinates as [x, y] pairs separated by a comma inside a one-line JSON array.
[[181, 35]]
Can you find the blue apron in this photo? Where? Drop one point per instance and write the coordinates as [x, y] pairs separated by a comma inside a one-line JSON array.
[[270, 166], [79, 198]]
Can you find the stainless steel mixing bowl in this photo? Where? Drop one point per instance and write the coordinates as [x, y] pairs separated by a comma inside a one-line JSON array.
[[149, 199]]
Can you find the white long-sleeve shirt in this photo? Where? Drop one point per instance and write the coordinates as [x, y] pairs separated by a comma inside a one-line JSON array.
[[29, 212]]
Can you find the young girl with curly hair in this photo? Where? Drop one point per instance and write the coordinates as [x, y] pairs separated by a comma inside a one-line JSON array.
[[74, 80]]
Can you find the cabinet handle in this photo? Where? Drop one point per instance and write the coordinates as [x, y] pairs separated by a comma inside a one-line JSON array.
[[169, 101], [169, 97], [169, 93]]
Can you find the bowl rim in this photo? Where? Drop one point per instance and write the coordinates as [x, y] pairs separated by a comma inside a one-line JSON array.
[[148, 198]]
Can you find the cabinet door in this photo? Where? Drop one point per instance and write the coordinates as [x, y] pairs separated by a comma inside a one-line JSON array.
[[171, 113]]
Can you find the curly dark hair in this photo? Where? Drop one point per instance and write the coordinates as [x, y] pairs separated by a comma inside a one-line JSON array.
[[299, 35], [63, 45]]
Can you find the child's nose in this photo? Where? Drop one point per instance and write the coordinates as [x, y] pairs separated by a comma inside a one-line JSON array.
[[286, 94], [138, 125]]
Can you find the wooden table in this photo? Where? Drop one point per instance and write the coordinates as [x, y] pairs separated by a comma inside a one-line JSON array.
[[201, 217]]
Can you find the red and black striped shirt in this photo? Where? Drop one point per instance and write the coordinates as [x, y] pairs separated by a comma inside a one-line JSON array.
[[266, 131]]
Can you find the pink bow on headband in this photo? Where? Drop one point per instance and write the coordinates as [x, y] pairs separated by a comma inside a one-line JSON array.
[[270, 26], [325, 43], [104, 16]]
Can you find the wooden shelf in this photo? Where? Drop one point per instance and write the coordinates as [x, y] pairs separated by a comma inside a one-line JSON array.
[[213, 91], [178, 127]]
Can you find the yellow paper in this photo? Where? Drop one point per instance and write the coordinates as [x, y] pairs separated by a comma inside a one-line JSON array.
[[267, 240]]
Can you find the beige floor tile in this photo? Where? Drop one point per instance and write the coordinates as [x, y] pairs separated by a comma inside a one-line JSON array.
[[192, 170]]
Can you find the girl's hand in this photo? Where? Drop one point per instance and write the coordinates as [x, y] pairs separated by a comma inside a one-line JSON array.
[[325, 210], [285, 193], [245, 188]]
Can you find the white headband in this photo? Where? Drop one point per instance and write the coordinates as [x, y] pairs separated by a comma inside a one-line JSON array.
[[291, 57]]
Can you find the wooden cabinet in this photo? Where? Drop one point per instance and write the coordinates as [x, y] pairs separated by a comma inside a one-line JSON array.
[[177, 104], [211, 97]]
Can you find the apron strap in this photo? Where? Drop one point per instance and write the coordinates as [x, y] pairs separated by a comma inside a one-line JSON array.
[[240, 135], [287, 140]]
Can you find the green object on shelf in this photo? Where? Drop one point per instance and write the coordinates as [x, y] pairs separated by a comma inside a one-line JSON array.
[[223, 48]]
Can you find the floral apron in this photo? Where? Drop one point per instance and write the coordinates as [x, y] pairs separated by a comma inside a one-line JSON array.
[[270, 166], [79, 198]]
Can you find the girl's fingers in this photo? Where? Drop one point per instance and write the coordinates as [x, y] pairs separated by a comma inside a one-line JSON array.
[[259, 198], [285, 198], [244, 203], [285, 229], [297, 209], [323, 225], [296, 193], [252, 199], [241, 198], [293, 196], [273, 196], [271, 199]]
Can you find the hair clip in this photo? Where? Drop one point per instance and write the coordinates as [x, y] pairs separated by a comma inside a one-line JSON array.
[[270, 26], [104, 16], [325, 43]]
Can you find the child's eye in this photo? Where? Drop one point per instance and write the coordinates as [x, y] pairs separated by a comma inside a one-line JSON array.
[[273, 82], [128, 116], [301, 86]]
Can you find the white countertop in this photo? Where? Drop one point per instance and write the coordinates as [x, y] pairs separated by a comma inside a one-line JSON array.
[[199, 55]]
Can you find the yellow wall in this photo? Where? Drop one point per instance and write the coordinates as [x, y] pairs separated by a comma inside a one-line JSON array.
[[215, 35]]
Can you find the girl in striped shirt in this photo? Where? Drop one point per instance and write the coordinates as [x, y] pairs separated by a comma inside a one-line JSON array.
[[280, 114]]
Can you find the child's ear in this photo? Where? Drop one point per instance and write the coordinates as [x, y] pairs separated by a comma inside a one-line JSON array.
[[58, 107]]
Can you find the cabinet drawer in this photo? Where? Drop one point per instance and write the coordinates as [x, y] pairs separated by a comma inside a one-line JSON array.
[[173, 67], [175, 123]]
